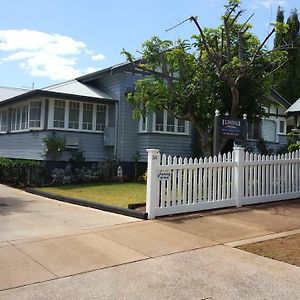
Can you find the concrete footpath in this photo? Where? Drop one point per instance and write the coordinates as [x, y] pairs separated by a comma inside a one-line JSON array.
[[53, 250]]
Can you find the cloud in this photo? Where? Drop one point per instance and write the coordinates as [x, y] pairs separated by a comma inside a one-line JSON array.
[[49, 55], [269, 3], [98, 57]]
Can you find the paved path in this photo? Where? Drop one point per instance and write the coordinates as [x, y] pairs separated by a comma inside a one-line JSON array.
[[91, 254]]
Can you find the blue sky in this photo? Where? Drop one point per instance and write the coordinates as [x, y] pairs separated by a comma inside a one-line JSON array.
[[51, 41]]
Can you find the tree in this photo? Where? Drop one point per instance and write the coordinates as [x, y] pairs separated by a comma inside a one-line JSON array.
[[278, 40], [287, 81], [224, 67]]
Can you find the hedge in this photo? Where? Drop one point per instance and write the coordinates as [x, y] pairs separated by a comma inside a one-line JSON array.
[[20, 172]]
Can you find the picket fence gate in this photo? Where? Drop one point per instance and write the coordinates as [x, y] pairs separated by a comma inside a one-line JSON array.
[[177, 185]]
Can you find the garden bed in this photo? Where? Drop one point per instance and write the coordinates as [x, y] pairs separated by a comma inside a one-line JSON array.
[[285, 249]]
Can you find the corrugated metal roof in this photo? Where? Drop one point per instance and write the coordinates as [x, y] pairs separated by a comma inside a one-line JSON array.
[[7, 92], [74, 87], [294, 107]]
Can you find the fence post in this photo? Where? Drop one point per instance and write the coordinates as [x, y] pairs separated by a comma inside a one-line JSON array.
[[152, 187], [238, 175]]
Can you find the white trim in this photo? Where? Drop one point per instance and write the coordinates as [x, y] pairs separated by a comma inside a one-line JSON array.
[[66, 121], [165, 120], [141, 130]]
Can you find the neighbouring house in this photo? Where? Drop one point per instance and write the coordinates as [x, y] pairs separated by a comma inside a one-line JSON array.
[[294, 113], [91, 113]]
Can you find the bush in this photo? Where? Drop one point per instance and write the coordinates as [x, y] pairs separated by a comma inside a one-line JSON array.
[[104, 172], [20, 172], [293, 147]]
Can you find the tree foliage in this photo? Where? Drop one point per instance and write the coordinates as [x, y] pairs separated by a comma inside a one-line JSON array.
[[225, 68], [287, 81]]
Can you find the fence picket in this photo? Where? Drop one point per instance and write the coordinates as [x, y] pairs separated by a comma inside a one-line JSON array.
[[182, 185]]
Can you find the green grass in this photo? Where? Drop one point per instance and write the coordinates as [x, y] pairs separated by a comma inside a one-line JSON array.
[[116, 194]]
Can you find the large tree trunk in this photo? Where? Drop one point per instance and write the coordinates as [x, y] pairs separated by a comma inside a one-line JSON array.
[[235, 100]]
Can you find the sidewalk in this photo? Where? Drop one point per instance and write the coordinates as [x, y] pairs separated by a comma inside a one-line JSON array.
[[186, 257]]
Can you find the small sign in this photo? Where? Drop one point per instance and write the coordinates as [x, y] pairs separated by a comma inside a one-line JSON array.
[[163, 175], [231, 127]]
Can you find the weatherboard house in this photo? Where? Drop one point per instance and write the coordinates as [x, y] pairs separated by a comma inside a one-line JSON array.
[[92, 115]]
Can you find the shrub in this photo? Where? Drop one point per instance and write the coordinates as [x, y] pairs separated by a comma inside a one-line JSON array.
[[293, 147], [20, 172], [55, 146]]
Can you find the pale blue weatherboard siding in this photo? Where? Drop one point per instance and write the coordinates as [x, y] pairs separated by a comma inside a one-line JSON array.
[[29, 145], [179, 145]]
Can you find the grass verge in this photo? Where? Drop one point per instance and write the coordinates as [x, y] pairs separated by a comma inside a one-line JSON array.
[[115, 194], [285, 249]]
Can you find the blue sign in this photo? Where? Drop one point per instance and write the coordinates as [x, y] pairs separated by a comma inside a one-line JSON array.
[[231, 127]]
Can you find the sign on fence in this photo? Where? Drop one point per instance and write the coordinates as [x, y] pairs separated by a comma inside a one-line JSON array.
[[231, 127]]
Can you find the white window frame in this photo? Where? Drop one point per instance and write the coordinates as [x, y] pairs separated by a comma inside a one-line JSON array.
[[141, 129], [27, 126], [3, 112], [164, 131], [66, 124]]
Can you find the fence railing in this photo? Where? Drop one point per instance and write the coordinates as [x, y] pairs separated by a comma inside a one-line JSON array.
[[177, 185]]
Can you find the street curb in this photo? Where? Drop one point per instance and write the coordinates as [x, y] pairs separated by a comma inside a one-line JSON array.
[[263, 238], [91, 204]]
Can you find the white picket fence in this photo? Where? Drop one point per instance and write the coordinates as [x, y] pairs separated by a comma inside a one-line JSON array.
[[176, 185]]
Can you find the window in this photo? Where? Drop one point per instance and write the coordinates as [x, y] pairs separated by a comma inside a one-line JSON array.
[[87, 121], [100, 117], [74, 108], [170, 123], [59, 114], [165, 122], [143, 124], [268, 130], [3, 121], [24, 117], [35, 114], [254, 130], [159, 121], [281, 127]]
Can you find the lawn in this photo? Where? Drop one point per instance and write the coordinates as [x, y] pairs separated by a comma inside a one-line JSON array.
[[285, 249], [116, 194]]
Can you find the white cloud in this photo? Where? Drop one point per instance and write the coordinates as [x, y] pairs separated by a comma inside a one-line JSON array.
[[269, 3], [42, 54], [98, 57]]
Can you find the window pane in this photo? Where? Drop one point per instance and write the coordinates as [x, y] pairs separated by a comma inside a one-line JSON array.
[[13, 119], [181, 126], [282, 127], [3, 121], [35, 114], [24, 117], [143, 123], [87, 123], [254, 131], [170, 123], [59, 114], [18, 118], [269, 130], [100, 117], [74, 115], [159, 124]]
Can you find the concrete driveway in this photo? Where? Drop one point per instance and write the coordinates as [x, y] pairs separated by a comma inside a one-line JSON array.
[[28, 216], [52, 250]]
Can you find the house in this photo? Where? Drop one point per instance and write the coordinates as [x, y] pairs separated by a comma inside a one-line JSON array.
[[271, 129], [91, 113]]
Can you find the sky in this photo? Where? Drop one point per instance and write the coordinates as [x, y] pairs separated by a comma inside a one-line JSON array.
[[46, 42]]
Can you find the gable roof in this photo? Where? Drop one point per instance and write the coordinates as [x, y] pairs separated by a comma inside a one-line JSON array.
[[8, 92], [74, 87], [278, 98], [294, 108], [71, 89]]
